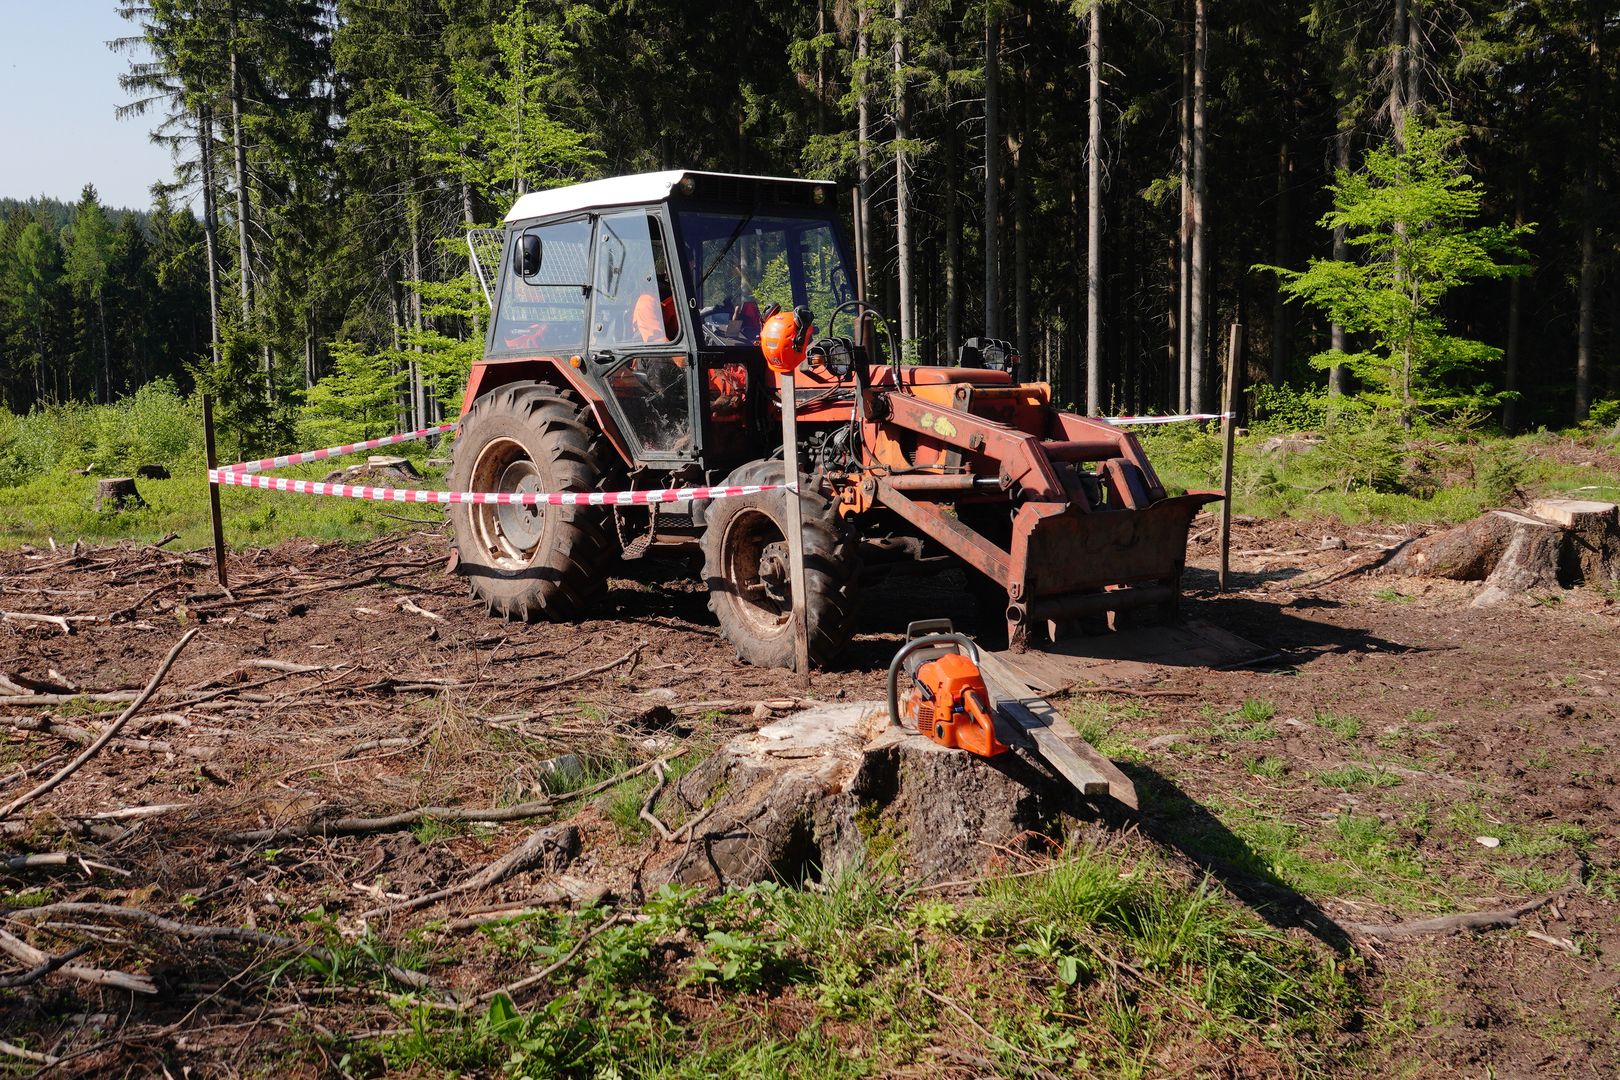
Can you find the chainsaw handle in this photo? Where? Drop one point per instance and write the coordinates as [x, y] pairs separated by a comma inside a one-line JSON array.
[[962, 641]]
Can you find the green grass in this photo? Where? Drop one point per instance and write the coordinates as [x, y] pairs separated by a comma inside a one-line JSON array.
[[1357, 777], [1097, 964], [1097, 721], [1343, 725], [60, 506], [1267, 767], [1306, 485], [1249, 722]]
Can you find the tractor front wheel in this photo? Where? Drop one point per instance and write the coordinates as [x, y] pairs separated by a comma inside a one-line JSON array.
[[746, 567], [531, 562]]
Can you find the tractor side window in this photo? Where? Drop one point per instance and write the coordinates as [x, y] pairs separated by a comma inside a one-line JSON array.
[[635, 301], [546, 313]]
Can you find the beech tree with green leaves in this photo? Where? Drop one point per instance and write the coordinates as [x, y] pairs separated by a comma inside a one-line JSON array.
[[1409, 211]]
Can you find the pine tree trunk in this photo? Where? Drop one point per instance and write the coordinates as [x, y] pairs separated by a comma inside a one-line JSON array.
[[205, 152], [1094, 297], [992, 177], [245, 271], [1196, 317], [1023, 191], [1184, 243], [1586, 291], [902, 187], [106, 352], [1397, 74], [1281, 314], [1513, 408], [863, 125], [1414, 58], [1336, 336], [953, 240], [413, 302]]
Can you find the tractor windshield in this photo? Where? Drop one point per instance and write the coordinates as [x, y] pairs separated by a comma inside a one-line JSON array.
[[737, 264]]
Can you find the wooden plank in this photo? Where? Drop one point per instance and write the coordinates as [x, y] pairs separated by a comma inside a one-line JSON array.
[[1128, 656], [1053, 738]]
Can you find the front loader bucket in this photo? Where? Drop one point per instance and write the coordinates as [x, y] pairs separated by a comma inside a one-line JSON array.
[[1067, 563]]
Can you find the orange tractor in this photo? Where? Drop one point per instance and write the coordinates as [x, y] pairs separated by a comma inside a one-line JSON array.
[[624, 354]]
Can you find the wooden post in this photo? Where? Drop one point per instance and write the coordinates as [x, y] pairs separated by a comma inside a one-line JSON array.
[[1234, 360], [795, 529], [213, 491]]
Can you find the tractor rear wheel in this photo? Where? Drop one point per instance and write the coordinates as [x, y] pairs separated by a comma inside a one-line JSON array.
[[532, 562], [745, 564]]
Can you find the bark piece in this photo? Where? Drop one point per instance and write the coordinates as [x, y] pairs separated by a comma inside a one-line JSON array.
[[834, 787], [118, 493]]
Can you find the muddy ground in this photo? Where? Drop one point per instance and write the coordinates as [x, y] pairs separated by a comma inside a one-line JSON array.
[[1400, 756]]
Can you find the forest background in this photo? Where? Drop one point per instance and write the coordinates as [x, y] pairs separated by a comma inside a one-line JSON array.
[[1097, 181]]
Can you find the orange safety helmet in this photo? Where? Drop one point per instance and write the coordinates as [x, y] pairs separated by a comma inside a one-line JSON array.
[[779, 340]]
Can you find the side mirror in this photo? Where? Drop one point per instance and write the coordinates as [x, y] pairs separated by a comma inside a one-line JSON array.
[[526, 255]]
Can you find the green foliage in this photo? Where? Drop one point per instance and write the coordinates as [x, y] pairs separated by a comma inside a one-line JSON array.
[[1281, 408], [358, 400], [1408, 210]]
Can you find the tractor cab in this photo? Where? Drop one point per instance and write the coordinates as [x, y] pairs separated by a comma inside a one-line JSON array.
[[647, 295]]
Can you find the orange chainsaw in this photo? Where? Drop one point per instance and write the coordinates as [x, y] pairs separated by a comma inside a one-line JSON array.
[[947, 700]]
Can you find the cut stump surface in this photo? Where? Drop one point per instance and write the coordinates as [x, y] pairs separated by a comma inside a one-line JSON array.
[[835, 788]]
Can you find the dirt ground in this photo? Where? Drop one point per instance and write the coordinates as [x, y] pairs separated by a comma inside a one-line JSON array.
[[1400, 756]]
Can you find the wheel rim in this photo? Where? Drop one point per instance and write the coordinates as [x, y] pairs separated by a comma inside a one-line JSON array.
[[755, 565], [509, 534]]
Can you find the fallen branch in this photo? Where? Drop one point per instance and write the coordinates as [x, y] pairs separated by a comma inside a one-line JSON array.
[[356, 826], [1494, 919], [34, 974], [60, 858], [107, 735], [28, 1055], [563, 838], [551, 969], [19, 949], [73, 733], [581, 676], [195, 932], [63, 623], [652, 797], [406, 605]]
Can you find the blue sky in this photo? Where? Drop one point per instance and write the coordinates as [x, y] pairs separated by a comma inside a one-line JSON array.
[[58, 89]]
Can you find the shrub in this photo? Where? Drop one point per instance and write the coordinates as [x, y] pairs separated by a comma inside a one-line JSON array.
[[1283, 408]]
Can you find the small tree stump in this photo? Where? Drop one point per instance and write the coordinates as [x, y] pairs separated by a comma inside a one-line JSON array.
[[835, 787], [118, 493]]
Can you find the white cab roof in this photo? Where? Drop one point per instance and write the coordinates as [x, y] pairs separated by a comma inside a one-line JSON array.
[[619, 191]]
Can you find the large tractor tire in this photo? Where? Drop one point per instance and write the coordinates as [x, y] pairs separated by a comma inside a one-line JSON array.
[[532, 562], [745, 564]]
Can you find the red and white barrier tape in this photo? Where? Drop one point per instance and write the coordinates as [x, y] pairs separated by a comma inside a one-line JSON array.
[[337, 451], [246, 474], [1126, 421], [497, 498]]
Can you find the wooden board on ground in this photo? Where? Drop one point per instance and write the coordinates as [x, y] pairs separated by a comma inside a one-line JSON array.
[[1033, 722], [1129, 656]]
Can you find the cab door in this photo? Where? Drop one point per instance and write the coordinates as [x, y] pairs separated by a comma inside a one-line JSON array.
[[639, 349]]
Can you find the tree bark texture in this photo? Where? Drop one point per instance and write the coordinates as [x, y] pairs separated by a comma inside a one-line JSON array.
[[992, 177], [902, 184], [1094, 276], [1197, 317]]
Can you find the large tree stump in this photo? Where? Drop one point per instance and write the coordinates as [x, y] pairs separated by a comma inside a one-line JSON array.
[[117, 493], [835, 787], [1592, 549], [1561, 543]]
